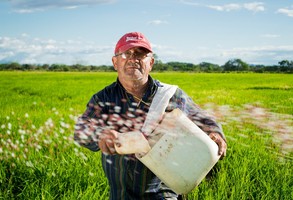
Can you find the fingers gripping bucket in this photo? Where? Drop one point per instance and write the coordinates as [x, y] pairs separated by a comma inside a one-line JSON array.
[[183, 155]]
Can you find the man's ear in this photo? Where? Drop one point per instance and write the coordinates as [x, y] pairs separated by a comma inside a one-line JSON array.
[[152, 62], [114, 61]]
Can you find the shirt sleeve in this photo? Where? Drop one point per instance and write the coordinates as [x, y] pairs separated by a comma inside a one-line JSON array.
[[103, 114], [201, 118]]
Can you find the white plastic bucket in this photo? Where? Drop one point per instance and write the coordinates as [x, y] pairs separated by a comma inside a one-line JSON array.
[[183, 155]]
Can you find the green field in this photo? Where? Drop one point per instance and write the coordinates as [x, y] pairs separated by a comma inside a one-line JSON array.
[[39, 160]]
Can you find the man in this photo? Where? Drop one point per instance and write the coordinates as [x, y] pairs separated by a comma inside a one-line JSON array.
[[123, 106]]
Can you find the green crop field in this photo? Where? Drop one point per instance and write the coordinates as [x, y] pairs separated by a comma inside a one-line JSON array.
[[39, 159]]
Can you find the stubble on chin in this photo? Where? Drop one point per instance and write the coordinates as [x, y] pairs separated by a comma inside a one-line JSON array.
[[134, 74]]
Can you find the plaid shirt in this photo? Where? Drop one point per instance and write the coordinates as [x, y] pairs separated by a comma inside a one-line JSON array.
[[114, 108]]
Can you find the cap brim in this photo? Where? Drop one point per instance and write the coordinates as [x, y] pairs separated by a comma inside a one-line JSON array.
[[131, 45]]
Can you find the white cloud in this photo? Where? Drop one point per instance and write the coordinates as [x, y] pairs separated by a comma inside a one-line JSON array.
[[189, 3], [269, 54], [28, 6], [227, 7], [270, 35], [286, 11], [157, 22], [254, 6], [48, 51]]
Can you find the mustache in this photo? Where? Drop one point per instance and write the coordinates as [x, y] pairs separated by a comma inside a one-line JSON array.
[[134, 64]]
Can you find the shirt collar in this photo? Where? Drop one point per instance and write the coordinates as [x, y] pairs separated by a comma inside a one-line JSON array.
[[151, 90]]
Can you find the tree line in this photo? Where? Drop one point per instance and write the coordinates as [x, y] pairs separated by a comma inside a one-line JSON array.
[[233, 65]]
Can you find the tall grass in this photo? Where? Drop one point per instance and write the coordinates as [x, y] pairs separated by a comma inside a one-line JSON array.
[[39, 160]]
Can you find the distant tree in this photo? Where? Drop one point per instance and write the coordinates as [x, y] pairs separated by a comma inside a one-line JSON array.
[[156, 58], [257, 68], [179, 66], [43, 67], [209, 67], [29, 67], [286, 66], [160, 66], [236, 65], [57, 67], [14, 66], [76, 67], [284, 63], [4, 66]]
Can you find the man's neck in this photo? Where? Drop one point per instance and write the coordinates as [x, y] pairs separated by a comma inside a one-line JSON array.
[[135, 87]]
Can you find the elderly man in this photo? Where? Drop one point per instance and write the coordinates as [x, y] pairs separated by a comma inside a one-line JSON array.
[[122, 107]]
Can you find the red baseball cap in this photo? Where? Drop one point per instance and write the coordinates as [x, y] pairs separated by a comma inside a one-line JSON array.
[[130, 40]]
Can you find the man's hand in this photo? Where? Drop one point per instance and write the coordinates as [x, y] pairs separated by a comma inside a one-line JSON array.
[[217, 138], [106, 141]]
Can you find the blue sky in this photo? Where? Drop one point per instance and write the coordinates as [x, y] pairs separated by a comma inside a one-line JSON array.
[[194, 31]]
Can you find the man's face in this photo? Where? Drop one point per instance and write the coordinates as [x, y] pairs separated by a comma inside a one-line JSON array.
[[133, 64]]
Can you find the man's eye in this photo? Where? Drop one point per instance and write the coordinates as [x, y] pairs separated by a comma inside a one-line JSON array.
[[139, 54]]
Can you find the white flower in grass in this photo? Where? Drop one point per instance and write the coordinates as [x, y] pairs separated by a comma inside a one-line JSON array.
[[91, 174], [38, 147], [82, 156], [12, 113], [14, 146], [26, 115], [3, 126], [76, 144], [7, 117], [9, 125], [46, 141], [49, 123], [64, 125], [40, 130], [70, 138], [33, 126], [1, 150], [29, 164], [8, 132], [61, 130]]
